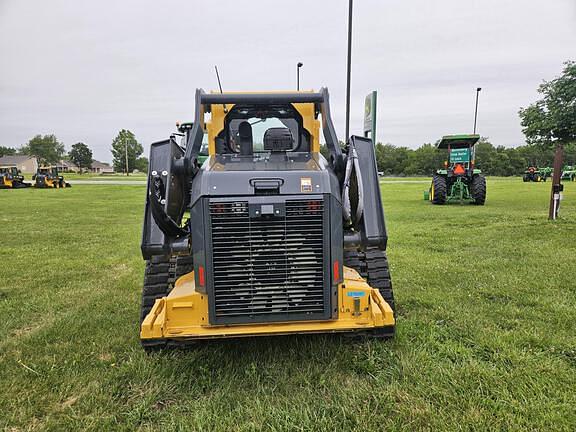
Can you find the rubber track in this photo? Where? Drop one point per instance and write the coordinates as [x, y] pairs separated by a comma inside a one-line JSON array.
[[372, 265], [160, 275]]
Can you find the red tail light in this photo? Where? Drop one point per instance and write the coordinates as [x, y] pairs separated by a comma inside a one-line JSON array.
[[314, 206], [336, 270], [201, 276]]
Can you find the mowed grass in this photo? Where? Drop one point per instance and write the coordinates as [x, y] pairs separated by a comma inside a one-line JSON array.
[[486, 326]]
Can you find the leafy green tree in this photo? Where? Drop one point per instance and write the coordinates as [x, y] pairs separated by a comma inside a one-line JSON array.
[[7, 151], [392, 160], [552, 119], [47, 149], [142, 164], [81, 155], [425, 160], [125, 142]]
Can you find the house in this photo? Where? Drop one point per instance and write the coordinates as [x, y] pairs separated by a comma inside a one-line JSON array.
[[101, 168], [66, 166], [26, 164]]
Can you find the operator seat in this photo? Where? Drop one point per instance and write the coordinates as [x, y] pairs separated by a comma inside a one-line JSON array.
[[245, 137]]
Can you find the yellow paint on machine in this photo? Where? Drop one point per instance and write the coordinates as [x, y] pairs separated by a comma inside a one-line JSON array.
[[183, 314], [218, 114]]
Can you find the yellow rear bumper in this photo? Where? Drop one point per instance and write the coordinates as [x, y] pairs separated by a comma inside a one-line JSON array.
[[183, 314]]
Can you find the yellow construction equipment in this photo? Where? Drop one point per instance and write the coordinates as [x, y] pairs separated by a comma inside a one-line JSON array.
[[266, 236]]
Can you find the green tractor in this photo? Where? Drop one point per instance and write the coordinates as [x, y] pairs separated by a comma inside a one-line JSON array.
[[569, 173], [459, 180], [533, 174]]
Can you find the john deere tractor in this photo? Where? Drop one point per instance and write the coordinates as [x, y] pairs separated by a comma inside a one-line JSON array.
[[569, 173], [11, 178], [459, 180], [533, 174], [266, 237], [48, 177]]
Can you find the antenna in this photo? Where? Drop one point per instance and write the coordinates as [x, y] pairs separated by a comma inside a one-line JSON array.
[[220, 85], [348, 67]]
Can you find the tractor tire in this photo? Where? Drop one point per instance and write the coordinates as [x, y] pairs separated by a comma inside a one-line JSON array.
[[372, 265], [478, 189], [438, 190], [526, 178], [160, 275]]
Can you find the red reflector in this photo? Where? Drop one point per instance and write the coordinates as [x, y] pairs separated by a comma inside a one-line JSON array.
[[459, 169], [336, 270], [201, 276]]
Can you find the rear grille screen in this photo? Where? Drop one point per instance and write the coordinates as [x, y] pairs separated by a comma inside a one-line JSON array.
[[267, 267]]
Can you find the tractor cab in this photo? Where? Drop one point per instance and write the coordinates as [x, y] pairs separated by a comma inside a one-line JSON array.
[[460, 160], [459, 180]]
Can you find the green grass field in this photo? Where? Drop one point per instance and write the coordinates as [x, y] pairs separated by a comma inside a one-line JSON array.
[[486, 328]]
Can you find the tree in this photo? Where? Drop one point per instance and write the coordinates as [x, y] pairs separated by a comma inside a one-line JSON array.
[[81, 155], [142, 164], [7, 151], [125, 142], [47, 149], [424, 160], [551, 121]]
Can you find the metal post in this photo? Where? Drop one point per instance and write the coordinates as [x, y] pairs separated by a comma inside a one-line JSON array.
[[298, 66], [348, 69], [556, 183], [476, 109], [126, 151]]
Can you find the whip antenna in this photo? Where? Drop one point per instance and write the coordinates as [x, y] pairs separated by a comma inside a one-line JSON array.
[[219, 84]]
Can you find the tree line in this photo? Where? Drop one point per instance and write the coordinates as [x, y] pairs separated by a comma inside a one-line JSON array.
[[492, 160], [48, 150]]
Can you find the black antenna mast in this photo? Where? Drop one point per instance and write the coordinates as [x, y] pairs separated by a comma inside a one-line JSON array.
[[219, 84], [348, 67]]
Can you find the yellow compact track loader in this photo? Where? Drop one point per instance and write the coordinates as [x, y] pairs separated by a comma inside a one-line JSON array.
[[48, 177], [11, 178], [266, 236]]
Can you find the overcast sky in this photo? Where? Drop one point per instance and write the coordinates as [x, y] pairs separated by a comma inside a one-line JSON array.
[[85, 69]]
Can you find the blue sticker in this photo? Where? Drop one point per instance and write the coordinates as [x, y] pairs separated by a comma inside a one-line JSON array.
[[355, 293]]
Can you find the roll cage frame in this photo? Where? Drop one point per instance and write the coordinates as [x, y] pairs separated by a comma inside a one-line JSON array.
[[204, 100]]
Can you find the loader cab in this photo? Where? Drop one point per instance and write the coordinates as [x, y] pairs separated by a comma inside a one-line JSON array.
[[51, 172], [261, 131], [6, 177], [258, 132], [9, 172]]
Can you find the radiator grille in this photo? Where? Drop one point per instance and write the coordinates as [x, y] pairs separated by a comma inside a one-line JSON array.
[[267, 268]]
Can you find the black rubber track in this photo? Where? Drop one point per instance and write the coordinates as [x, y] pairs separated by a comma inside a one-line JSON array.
[[160, 275], [439, 183], [478, 189], [372, 265]]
